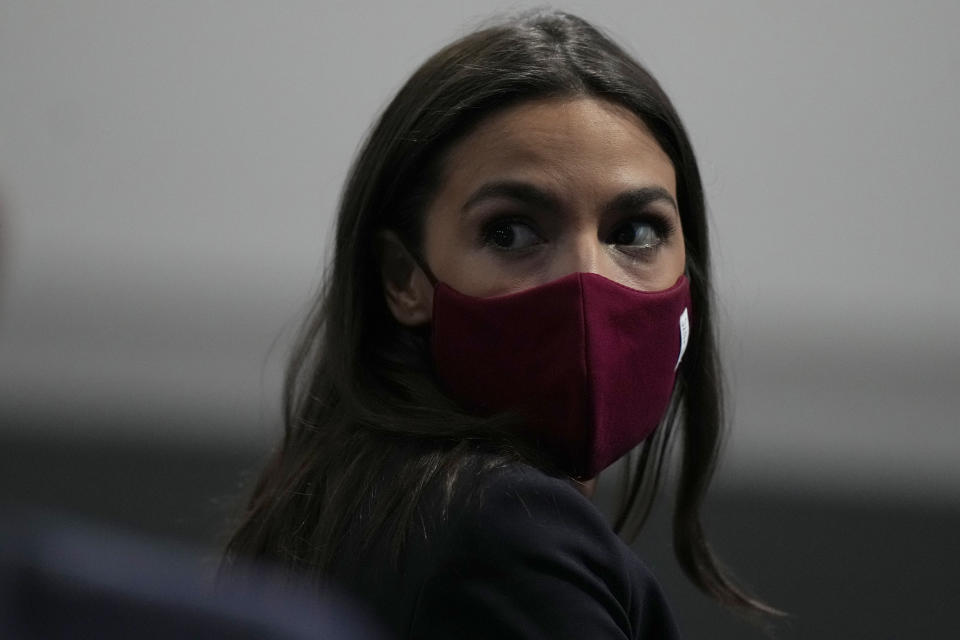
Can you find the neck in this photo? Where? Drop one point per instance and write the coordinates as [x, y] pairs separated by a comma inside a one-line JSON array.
[[586, 487]]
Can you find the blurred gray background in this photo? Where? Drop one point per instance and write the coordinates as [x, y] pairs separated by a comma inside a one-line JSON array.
[[169, 173]]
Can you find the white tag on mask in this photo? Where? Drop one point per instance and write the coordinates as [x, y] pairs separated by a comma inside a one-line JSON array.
[[684, 336]]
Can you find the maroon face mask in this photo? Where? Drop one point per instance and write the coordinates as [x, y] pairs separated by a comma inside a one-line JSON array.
[[587, 362]]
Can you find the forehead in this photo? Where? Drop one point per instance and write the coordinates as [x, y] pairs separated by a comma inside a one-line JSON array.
[[572, 142]]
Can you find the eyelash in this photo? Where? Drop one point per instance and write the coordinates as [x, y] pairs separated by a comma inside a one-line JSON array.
[[662, 226], [495, 224]]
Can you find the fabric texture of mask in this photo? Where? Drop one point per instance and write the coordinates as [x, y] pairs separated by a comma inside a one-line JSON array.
[[588, 363]]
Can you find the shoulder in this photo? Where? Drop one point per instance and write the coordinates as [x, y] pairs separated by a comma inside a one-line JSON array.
[[518, 508], [524, 554]]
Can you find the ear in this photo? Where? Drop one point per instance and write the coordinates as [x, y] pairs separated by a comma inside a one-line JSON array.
[[408, 293]]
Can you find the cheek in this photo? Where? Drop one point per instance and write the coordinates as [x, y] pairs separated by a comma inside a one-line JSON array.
[[452, 253], [673, 266], [459, 259], [680, 258], [438, 236], [658, 275]]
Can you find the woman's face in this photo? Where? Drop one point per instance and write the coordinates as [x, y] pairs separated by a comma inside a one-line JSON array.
[[549, 188]]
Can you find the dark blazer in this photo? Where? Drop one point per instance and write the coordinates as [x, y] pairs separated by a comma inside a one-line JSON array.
[[520, 555]]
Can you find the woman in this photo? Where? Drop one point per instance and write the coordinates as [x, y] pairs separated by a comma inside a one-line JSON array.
[[519, 295]]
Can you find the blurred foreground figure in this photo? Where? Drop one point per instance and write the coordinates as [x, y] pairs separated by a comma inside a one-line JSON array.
[[61, 580]]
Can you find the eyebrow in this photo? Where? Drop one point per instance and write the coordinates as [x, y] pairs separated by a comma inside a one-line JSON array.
[[514, 190], [635, 199], [526, 193]]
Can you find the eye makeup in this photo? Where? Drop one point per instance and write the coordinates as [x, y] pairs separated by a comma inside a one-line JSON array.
[[516, 220], [511, 233]]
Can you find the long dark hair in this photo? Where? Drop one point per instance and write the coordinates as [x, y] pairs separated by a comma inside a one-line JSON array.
[[361, 401]]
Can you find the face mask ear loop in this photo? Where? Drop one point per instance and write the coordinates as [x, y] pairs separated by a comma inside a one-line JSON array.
[[423, 267]]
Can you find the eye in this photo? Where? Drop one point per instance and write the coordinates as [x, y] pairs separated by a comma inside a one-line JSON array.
[[638, 234], [510, 235]]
